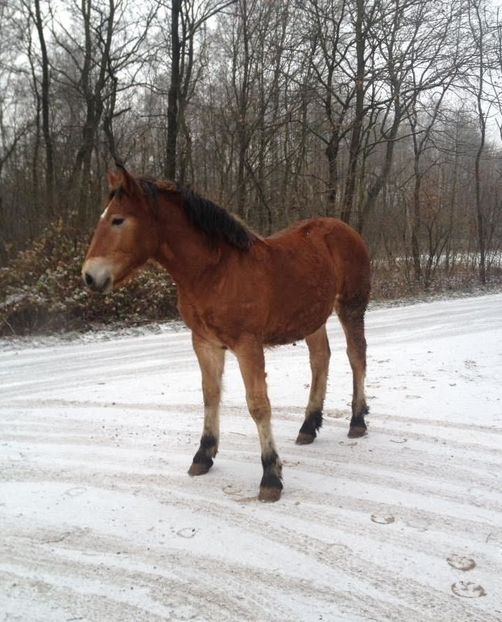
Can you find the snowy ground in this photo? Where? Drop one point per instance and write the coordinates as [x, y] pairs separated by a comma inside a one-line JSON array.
[[99, 520]]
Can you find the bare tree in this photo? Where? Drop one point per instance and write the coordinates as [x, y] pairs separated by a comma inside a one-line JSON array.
[[187, 18], [44, 99], [92, 64], [328, 46], [479, 29]]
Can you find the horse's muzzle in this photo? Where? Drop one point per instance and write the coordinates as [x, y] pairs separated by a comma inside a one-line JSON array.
[[96, 276]]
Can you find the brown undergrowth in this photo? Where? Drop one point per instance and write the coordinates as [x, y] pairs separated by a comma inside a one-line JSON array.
[[41, 291]]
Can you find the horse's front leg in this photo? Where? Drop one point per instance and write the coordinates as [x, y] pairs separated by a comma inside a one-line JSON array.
[[252, 365], [211, 361]]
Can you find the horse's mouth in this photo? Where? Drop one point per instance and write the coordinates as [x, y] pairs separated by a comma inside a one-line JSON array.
[[124, 278], [107, 286], [118, 281]]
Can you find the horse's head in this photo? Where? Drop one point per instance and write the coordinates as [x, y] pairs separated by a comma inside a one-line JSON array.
[[126, 235]]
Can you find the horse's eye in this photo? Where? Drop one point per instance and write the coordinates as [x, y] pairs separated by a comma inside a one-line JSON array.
[[118, 220]]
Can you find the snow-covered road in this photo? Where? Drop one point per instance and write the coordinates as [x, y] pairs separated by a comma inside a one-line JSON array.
[[99, 520]]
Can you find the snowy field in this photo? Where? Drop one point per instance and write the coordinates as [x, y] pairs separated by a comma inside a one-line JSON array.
[[99, 520]]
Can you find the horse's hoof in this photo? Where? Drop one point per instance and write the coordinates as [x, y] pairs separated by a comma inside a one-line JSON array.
[[304, 439], [269, 495], [357, 432], [199, 468]]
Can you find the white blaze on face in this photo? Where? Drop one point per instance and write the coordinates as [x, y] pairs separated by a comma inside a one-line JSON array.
[[105, 212], [97, 274]]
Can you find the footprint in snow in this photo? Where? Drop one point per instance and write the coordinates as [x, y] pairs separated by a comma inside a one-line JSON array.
[[467, 589], [460, 562], [231, 491], [186, 532], [383, 519], [235, 494], [336, 414], [470, 364]]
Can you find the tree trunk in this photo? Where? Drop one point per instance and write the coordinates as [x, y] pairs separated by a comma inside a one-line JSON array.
[[173, 94], [416, 225], [480, 43], [242, 91], [479, 208], [332, 156], [355, 139], [45, 104]]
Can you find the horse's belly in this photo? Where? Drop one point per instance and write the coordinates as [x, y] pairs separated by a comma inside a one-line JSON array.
[[297, 321], [286, 302], [302, 301]]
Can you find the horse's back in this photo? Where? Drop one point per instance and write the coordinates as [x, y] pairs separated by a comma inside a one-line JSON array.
[[340, 238], [335, 247], [310, 268]]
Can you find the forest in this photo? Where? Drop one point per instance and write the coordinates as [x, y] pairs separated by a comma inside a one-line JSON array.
[[384, 113]]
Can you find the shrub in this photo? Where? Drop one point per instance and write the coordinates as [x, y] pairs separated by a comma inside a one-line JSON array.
[[42, 291]]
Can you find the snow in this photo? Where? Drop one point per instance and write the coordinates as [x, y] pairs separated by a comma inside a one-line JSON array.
[[99, 520]]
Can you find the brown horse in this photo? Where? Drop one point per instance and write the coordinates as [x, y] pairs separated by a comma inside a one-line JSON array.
[[239, 291]]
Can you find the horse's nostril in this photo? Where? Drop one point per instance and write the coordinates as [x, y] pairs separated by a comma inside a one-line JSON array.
[[89, 281]]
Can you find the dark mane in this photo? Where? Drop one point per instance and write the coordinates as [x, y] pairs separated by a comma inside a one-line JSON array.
[[215, 221]]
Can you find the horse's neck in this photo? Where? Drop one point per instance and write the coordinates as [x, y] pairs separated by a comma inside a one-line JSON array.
[[184, 251]]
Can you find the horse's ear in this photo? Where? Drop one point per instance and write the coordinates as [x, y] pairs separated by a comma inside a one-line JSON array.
[[120, 177], [114, 180]]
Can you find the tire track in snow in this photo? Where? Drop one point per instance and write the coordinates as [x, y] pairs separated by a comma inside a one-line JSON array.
[[314, 467], [351, 565], [217, 590]]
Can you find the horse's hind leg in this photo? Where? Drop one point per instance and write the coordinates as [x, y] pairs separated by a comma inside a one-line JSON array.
[[319, 353], [211, 360], [252, 365], [352, 319]]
